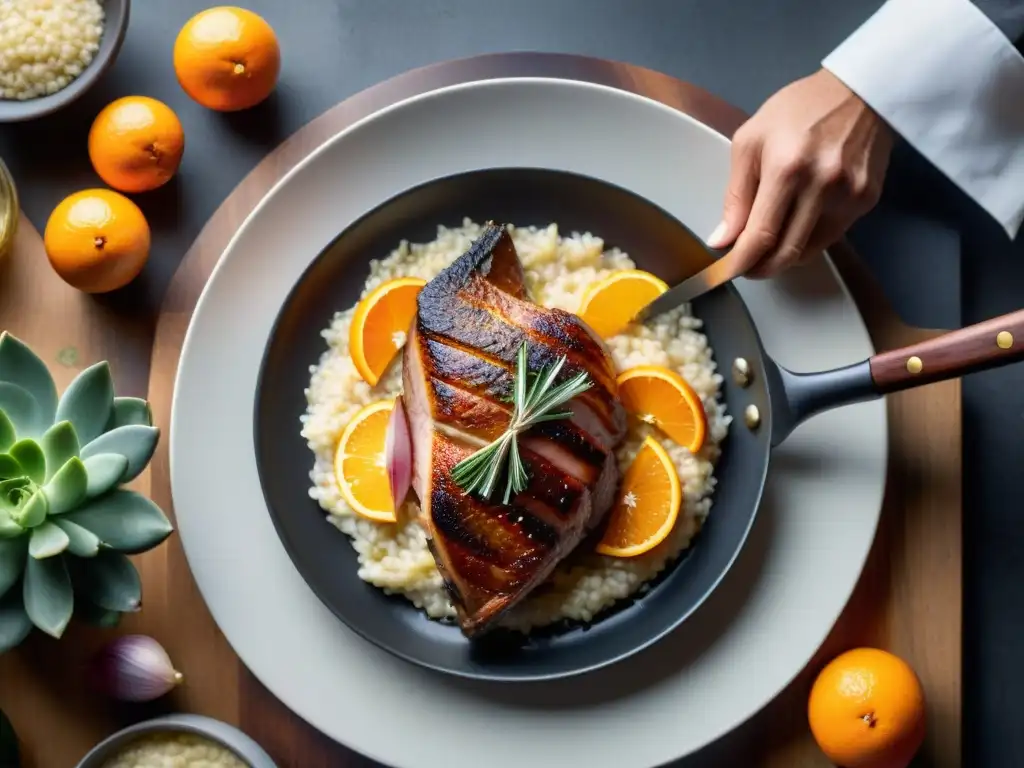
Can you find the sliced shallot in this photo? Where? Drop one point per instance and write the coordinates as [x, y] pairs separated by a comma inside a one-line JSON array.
[[398, 453]]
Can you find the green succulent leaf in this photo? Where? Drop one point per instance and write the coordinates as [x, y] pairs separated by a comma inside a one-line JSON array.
[[67, 488], [9, 756], [105, 470], [22, 410], [16, 504], [88, 402], [110, 581], [47, 541], [20, 365], [59, 443], [9, 466], [7, 499], [124, 520], [134, 441], [12, 562], [8, 528], [81, 542], [7, 432], [130, 410], [33, 512], [49, 600], [30, 456], [14, 622], [90, 613]]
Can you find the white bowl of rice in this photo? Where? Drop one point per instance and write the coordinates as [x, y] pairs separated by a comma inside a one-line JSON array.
[[52, 51]]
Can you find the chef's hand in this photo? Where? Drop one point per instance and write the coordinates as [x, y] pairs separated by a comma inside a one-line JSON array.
[[809, 163]]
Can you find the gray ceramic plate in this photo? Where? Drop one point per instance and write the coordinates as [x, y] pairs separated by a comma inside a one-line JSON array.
[[221, 733], [730, 658], [114, 28]]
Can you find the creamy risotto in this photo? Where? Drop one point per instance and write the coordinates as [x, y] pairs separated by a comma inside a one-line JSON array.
[[558, 269]]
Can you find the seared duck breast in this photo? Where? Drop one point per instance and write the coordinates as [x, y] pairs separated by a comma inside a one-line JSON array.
[[458, 373]]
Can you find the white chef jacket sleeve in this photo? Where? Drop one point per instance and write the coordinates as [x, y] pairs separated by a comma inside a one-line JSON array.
[[944, 76]]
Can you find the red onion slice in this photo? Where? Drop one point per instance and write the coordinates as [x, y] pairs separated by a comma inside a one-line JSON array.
[[398, 453]]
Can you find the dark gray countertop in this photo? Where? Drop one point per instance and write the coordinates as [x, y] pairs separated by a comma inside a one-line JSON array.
[[741, 50]]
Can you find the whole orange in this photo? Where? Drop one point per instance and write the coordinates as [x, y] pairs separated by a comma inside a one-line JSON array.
[[227, 58], [866, 710], [97, 240], [136, 144]]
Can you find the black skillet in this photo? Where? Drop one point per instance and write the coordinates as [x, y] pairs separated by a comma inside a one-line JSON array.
[[658, 243]]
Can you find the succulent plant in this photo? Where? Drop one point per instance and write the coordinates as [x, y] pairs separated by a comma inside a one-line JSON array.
[[66, 525]]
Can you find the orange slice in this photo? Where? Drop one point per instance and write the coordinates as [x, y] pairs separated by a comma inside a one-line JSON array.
[[648, 505], [609, 305], [359, 463], [662, 397], [379, 325]]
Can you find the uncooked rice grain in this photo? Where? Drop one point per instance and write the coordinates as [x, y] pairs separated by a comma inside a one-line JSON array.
[[46, 44]]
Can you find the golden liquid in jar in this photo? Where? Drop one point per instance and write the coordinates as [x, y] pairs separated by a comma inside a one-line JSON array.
[[8, 210]]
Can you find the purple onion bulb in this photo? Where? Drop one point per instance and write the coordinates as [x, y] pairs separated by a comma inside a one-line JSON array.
[[134, 668]]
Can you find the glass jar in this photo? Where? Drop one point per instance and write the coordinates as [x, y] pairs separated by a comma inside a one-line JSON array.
[[9, 210]]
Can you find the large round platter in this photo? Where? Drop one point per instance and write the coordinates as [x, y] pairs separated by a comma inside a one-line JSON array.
[[754, 633]]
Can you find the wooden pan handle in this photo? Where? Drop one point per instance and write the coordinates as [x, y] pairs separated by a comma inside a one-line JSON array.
[[978, 347]]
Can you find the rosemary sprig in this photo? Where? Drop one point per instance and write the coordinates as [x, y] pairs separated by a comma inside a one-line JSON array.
[[535, 399]]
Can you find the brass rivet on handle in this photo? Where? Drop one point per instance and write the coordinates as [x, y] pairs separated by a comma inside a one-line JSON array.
[[741, 372], [1004, 339], [752, 416], [914, 365]]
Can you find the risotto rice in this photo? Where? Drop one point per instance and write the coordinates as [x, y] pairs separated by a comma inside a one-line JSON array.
[[558, 270]]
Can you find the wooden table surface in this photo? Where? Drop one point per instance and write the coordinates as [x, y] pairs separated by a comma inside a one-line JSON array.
[[908, 600]]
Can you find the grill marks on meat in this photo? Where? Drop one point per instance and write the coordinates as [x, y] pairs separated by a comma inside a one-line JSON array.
[[458, 381], [479, 304], [479, 414]]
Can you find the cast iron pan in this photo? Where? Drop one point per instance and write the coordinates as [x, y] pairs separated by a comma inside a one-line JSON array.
[[658, 243]]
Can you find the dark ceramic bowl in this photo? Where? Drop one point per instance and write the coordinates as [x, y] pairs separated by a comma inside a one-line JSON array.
[[115, 23], [227, 736]]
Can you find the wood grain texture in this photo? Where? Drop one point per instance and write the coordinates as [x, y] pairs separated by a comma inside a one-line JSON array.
[[908, 599], [989, 344]]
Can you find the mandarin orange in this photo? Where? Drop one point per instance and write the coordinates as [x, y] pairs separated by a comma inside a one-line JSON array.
[[227, 58], [867, 710], [97, 240], [136, 144]]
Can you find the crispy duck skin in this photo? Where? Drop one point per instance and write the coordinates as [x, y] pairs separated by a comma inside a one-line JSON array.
[[458, 376]]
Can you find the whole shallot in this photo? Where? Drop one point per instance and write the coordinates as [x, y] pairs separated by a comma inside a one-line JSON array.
[[134, 668], [398, 453]]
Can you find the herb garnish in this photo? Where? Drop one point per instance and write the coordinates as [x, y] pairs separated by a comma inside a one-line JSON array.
[[535, 399]]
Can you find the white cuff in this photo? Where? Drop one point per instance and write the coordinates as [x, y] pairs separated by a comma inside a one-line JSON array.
[[950, 83]]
